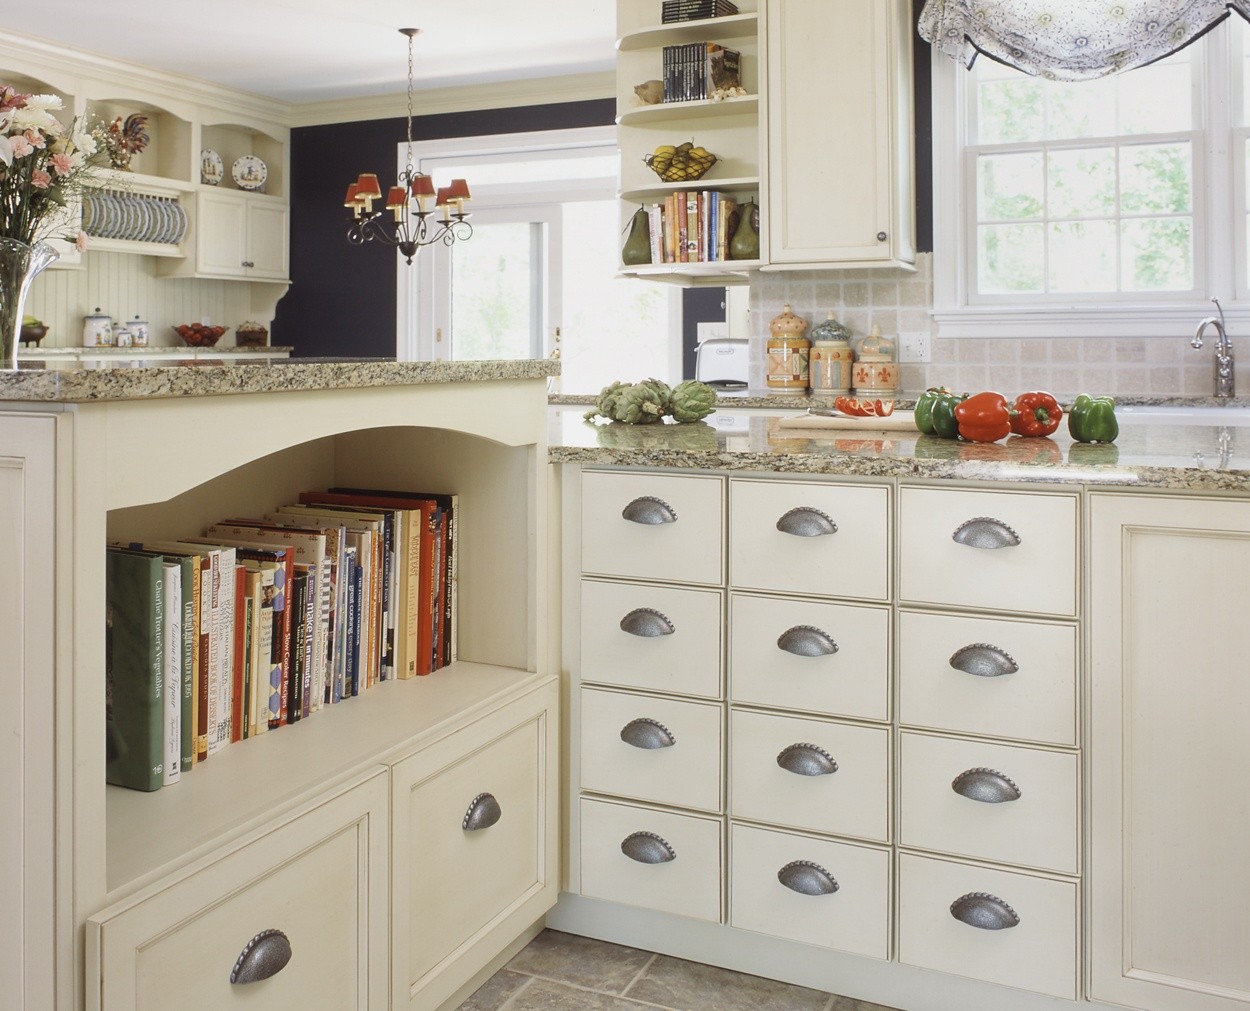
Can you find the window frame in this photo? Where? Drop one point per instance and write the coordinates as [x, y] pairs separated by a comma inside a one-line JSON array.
[[1220, 223]]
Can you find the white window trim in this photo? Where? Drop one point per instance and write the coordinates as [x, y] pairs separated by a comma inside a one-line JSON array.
[[1224, 253]]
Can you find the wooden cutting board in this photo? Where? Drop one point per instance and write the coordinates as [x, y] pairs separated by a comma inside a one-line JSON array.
[[899, 421]]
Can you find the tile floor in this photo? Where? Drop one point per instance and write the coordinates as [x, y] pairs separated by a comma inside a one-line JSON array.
[[564, 972]]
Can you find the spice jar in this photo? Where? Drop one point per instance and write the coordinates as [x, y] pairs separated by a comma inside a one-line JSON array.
[[788, 352], [875, 370], [831, 357]]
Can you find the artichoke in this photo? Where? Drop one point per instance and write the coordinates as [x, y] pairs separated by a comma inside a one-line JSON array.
[[662, 391], [692, 400], [640, 405], [606, 402]]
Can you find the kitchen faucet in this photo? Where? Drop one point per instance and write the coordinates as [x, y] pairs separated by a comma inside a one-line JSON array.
[[1224, 385]]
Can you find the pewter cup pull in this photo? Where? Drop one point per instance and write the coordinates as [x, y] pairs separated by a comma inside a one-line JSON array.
[[805, 521], [983, 660], [807, 640], [647, 734], [807, 878], [986, 532], [647, 623], [649, 511]]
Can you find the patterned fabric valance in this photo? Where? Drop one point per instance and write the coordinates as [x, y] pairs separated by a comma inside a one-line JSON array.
[[1070, 40]]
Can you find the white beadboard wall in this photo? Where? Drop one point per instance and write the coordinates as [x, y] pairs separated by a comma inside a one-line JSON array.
[[124, 286]]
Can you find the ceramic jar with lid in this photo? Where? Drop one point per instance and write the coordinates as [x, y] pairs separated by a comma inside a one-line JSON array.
[[788, 351], [831, 357], [97, 329], [875, 371], [138, 331]]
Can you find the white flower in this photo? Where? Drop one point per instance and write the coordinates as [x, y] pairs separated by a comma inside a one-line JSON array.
[[44, 102], [33, 118], [6, 151], [84, 141]]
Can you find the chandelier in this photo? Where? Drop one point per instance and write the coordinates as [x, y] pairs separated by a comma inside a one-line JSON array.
[[412, 222]]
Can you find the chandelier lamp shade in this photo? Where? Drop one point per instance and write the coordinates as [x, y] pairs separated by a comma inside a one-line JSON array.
[[413, 213]]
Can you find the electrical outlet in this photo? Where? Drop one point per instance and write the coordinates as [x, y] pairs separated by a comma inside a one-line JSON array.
[[914, 347]]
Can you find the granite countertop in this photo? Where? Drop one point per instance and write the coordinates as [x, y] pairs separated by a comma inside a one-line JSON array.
[[1190, 457], [213, 378]]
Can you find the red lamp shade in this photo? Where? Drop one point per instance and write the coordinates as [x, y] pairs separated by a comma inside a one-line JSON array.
[[367, 187], [350, 199], [444, 196], [458, 190], [422, 185], [396, 196]]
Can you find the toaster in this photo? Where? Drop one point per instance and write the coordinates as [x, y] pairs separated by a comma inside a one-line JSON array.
[[721, 362]]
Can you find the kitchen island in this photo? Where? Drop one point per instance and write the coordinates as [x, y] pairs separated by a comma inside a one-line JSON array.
[[920, 722], [325, 830]]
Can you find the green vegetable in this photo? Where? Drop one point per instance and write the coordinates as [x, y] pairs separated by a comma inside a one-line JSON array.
[[1092, 419], [641, 404], [924, 408], [692, 400], [945, 424]]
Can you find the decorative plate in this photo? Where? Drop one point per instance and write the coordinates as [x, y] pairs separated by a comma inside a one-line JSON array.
[[212, 168], [249, 172]]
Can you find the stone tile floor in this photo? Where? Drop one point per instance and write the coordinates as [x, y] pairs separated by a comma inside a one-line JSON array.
[[564, 972]]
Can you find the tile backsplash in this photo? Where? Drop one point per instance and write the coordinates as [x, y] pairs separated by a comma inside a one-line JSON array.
[[899, 302]]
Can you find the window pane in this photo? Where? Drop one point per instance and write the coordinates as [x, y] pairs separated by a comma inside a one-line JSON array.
[[1008, 110], [1155, 178], [1158, 98], [1009, 258], [1082, 256], [1081, 184], [1009, 186], [491, 292], [1156, 254], [1080, 110]]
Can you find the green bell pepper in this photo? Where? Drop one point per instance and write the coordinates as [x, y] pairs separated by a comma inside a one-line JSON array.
[[942, 415], [924, 408], [1092, 419]]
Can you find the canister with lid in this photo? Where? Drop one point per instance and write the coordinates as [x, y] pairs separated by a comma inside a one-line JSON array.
[[875, 369], [831, 357], [788, 351], [97, 329], [138, 331]]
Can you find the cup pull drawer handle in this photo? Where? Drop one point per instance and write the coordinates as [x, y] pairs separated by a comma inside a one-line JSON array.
[[484, 811], [807, 640], [647, 623], [804, 521], [263, 956], [807, 878], [986, 532], [807, 760], [984, 911], [983, 660], [647, 848], [987, 786], [647, 734], [649, 511]]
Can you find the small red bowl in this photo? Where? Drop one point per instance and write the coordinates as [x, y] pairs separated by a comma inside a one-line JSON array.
[[198, 335]]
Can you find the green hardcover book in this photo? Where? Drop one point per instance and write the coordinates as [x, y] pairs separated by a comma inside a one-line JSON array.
[[134, 670]]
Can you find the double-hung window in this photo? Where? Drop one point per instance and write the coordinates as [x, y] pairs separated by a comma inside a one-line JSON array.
[[1113, 207]]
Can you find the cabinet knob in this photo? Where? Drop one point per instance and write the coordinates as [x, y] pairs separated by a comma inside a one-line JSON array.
[[807, 760], [982, 660], [263, 956], [882, 236], [807, 878], [984, 911], [807, 640], [805, 521], [647, 734], [647, 848], [647, 623], [986, 532], [650, 511], [484, 811], [987, 786]]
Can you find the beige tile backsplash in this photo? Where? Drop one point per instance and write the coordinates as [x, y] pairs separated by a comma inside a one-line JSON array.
[[899, 301]]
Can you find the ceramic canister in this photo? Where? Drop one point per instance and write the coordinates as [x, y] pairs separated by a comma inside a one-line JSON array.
[[138, 332], [97, 329], [831, 357], [788, 351], [875, 370]]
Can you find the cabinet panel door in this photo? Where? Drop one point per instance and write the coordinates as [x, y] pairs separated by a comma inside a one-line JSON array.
[[220, 234], [267, 240], [321, 879], [1170, 703]]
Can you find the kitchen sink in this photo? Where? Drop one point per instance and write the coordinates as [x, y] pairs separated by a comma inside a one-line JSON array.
[[1173, 414]]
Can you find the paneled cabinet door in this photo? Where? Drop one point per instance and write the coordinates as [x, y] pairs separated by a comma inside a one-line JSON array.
[[1169, 878], [839, 132], [267, 239], [221, 234]]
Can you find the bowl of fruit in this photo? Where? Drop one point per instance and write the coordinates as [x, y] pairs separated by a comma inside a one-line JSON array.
[[200, 335], [680, 163]]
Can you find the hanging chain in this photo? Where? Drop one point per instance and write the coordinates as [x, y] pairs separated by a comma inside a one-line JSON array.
[[411, 33]]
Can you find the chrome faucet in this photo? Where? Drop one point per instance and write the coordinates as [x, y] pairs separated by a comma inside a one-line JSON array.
[[1224, 385]]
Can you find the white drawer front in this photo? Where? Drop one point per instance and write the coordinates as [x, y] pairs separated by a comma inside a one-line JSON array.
[[1039, 829], [853, 562], [1038, 953], [685, 659], [687, 885], [688, 549], [800, 672], [667, 751], [854, 800], [853, 918], [1014, 678], [1036, 575]]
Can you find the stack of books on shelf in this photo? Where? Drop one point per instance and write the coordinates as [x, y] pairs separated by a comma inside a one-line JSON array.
[[698, 70], [695, 10], [264, 621], [692, 227]]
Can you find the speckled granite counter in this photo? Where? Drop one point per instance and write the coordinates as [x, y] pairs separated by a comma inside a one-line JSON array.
[[1190, 457], [76, 385]]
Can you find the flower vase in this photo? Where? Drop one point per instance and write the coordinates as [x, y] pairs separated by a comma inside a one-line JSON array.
[[19, 265]]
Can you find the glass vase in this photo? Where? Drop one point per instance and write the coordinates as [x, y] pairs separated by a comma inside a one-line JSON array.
[[19, 265]]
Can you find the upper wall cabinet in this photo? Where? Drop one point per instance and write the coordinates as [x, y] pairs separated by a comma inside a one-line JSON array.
[[839, 173]]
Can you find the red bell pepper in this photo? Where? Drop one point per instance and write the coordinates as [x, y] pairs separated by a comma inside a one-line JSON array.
[[1036, 414], [985, 417]]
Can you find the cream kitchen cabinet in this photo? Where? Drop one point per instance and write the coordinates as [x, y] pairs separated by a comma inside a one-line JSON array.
[[839, 181], [240, 235], [1169, 702]]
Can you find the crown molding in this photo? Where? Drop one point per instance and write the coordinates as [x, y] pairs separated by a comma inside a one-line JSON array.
[[461, 98]]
